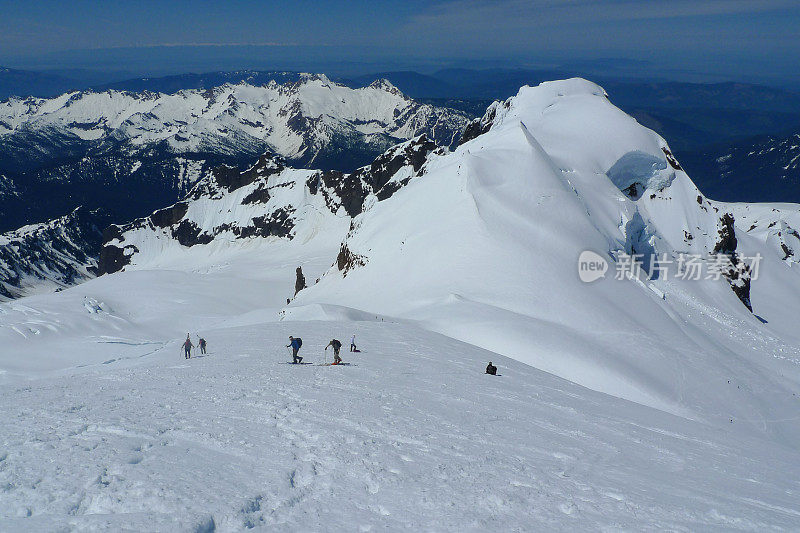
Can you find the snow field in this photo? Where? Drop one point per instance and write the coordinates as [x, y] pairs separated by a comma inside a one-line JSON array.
[[414, 436]]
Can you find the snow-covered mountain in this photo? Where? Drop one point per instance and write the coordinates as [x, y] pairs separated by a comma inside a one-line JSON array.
[[160, 144], [483, 244], [652, 401], [51, 255]]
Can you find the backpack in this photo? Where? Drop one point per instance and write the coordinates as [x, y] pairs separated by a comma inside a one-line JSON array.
[[299, 342]]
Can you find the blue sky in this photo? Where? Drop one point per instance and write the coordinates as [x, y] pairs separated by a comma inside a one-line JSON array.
[[735, 39]]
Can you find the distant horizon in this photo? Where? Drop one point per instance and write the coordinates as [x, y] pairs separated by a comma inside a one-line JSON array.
[[634, 70], [680, 40]]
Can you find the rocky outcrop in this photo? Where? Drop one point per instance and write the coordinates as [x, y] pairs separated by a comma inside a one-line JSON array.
[[232, 179], [300, 281], [479, 126], [376, 178], [164, 218], [736, 271], [347, 260], [726, 241]]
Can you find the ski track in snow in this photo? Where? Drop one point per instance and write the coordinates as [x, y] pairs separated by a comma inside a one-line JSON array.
[[414, 437]]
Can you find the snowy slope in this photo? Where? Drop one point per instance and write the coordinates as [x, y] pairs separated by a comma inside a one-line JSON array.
[[414, 437], [484, 248]]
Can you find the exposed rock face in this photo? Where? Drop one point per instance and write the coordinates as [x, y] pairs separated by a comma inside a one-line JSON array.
[[347, 260], [353, 188], [267, 200], [726, 243], [232, 179], [673, 162], [115, 258], [171, 215], [737, 272], [51, 255], [479, 126], [300, 282]]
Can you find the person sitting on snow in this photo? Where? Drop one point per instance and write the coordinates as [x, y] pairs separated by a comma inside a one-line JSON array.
[[491, 369]]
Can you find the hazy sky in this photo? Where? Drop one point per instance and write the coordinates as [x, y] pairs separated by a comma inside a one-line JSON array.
[[728, 38]]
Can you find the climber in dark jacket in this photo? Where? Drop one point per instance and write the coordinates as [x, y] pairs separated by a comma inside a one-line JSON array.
[[491, 369], [337, 345], [295, 343], [187, 347]]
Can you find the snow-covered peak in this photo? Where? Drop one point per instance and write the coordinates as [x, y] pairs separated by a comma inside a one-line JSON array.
[[573, 119], [484, 247]]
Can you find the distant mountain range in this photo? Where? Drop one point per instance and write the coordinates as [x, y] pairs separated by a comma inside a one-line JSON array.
[[135, 151]]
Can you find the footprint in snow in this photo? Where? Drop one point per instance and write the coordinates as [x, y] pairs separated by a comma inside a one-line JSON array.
[[567, 508]]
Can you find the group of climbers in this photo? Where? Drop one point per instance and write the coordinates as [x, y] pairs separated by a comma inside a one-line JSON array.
[[187, 346], [295, 343]]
